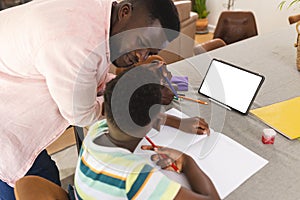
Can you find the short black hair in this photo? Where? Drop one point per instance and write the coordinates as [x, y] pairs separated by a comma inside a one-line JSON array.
[[141, 101], [163, 10]]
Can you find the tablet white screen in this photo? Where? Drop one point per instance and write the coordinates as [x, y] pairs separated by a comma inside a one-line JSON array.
[[230, 85]]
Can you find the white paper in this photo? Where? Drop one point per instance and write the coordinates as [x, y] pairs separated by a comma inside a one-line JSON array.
[[227, 163]]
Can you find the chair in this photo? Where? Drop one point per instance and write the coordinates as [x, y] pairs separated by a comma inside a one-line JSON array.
[[35, 187], [79, 136], [294, 18], [10, 3], [182, 47], [234, 26], [208, 46]]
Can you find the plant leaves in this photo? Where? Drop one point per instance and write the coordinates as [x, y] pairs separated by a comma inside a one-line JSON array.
[[280, 6], [290, 4]]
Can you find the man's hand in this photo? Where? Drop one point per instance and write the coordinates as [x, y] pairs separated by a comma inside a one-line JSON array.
[[156, 63], [165, 72], [160, 68]]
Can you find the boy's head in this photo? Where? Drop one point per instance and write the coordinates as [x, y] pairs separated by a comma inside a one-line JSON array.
[[132, 101]]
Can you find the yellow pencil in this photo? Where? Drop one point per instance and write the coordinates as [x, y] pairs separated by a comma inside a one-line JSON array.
[[195, 100]]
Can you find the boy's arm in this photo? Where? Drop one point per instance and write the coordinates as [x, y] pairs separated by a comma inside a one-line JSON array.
[[195, 125], [202, 187]]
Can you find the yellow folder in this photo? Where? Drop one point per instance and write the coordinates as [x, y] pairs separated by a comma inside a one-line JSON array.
[[284, 117]]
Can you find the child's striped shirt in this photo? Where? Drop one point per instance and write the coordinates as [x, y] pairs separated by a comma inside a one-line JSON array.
[[115, 173]]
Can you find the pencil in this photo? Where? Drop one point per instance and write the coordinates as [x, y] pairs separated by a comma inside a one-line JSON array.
[[195, 100], [162, 155], [158, 58], [169, 83]]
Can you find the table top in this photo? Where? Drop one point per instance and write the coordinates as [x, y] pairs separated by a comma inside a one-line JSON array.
[[274, 56]]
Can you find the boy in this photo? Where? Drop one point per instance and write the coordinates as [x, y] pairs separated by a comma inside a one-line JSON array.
[[107, 169]]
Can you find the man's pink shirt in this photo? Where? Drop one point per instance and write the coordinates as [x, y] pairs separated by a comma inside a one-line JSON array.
[[54, 54]]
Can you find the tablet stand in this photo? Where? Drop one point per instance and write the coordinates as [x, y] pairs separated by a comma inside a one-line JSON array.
[[220, 104]]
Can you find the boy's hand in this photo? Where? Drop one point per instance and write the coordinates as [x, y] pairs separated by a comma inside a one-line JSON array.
[[166, 156], [195, 125]]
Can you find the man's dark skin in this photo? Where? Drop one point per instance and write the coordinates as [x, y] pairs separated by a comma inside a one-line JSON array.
[[125, 18]]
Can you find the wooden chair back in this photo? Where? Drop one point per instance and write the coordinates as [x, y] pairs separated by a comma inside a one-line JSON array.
[[234, 26]]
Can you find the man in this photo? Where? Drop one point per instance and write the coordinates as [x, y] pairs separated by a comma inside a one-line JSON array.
[[54, 58]]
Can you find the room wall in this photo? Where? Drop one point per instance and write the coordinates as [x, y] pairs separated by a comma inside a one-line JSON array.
[[267, 14]]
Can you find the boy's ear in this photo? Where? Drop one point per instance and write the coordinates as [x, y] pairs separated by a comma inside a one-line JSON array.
[[125, 10], [102, 109]]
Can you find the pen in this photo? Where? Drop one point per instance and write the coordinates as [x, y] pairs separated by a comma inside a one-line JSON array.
[[195, 100], [162, 155], [169, 83]]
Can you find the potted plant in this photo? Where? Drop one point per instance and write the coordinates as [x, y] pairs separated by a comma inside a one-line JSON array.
[[291, 3], [293, 19], [199, 7], [230, 4]]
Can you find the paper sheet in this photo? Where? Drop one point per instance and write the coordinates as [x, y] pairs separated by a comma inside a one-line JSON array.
[[226, 162], [283, 117]]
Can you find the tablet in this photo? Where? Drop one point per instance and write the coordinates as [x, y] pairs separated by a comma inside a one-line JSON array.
[[231, 86]]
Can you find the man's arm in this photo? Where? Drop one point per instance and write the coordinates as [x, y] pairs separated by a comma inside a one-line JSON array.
[[70, 75]]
